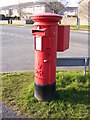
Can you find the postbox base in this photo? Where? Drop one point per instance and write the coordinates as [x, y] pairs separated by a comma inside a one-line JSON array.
[[44, 92]]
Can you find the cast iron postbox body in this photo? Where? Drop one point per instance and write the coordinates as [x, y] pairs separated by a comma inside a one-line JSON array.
[[46, 40]]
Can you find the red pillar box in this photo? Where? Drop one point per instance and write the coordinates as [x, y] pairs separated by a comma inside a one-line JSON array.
[[45, 43]]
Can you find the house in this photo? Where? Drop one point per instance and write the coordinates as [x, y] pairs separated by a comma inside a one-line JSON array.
[[71, 12], [52, 7], [84, 12], [24, 10], [9, 9]]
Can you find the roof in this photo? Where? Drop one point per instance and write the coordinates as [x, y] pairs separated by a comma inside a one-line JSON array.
[[71, 9]]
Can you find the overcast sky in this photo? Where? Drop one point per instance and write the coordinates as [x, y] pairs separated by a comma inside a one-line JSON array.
[[72, 3]]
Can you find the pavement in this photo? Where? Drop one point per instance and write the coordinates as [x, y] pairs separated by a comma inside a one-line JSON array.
[[8, 112]]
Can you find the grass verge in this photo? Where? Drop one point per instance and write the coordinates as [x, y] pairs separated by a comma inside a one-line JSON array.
[[27, 25], [81, 27], [72, 89], [11, 24]]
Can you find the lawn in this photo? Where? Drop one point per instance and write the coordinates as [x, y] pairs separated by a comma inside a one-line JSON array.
[[71, 101], [81, 27], [27, 25], [11, 24]]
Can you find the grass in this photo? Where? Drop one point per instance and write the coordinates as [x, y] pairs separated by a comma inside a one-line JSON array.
[[72, 90], [81, 27], [11, 24], [28, 25]]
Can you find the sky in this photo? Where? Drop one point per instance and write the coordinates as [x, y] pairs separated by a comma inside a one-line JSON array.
[[72, 3]]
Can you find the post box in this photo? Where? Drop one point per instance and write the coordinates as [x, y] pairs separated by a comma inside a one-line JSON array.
[[47, 34]]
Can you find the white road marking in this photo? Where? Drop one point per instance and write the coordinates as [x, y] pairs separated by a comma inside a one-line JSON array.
[[6, 33], [12, 34]]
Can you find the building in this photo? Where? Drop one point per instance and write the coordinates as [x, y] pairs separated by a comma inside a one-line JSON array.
[[84, 13], [21, 10], [71, 12], [24, 10]]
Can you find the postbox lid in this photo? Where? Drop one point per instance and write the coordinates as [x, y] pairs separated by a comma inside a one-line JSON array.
[[46, 17]]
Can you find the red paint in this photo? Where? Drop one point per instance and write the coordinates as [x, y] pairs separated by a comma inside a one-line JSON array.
[[46, 28], [63, 38]]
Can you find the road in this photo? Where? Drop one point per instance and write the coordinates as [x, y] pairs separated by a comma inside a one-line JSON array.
[[18, 50]]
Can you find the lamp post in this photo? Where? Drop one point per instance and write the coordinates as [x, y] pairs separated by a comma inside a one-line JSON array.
[[78, 17]]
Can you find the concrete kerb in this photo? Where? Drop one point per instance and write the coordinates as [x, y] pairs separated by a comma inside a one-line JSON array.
[[81, 31]]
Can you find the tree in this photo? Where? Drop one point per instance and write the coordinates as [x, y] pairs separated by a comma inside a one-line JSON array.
[[54, 6], [20, 9], [10, 12], [57, 7]]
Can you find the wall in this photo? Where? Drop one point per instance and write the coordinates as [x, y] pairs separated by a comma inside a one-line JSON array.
[[83, 21], [83, 12], [3, 22], [37, 9], [69, 21], [20, 22]]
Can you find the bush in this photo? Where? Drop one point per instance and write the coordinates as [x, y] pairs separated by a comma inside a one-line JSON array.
[[2, 17]]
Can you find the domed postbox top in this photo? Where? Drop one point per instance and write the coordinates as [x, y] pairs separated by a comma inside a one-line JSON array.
[[46, 17]]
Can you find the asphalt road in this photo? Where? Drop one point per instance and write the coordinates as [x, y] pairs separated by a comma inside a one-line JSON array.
[[17, 48]]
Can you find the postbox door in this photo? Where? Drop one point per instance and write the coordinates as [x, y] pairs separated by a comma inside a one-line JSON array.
[[42, 59], [63, 38]]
